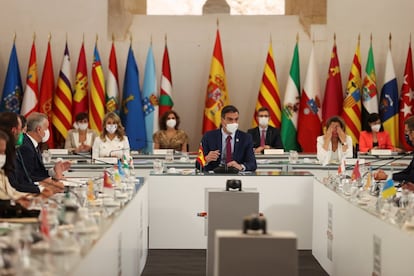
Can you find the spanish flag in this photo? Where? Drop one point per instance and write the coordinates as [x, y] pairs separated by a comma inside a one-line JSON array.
[[201, 161]]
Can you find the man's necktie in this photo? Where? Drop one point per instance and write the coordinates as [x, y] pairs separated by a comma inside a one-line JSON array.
[[263, 138], [228, 149]]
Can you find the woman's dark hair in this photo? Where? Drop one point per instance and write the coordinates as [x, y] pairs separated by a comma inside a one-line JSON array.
[[9, 120], [9, 165], [163, 119], [81, 116], [23, 120], [372, 118], [336, 119]]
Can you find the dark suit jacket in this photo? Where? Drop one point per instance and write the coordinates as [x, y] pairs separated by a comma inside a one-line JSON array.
[[273, 138], [405, 175], [243, 152], [20, 180], [32, 161]]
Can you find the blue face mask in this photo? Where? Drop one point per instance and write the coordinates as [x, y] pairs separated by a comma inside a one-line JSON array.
[[407, 139]]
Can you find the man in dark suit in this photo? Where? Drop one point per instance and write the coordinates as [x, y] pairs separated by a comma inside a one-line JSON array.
[[227, 145], [31, 159], [265, 136]]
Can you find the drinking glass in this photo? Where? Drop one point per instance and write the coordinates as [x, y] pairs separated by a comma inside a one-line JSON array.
[[158, 166], [169, 155], [293, 156], [47, 157]]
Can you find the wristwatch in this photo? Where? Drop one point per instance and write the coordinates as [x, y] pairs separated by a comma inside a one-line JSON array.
[[344, 144]]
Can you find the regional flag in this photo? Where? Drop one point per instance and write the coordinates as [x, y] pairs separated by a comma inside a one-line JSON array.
[[97, 109], [31, 94], [132, 115], [290, 110], [47, 87], [62, 101], [269, 95], [406, 99], [351, 112], [388, 190], [389, 101], [112, 91], [309, 120], [80, 95], [332, 101], [150, 100], [217, 95], [356, 173], [369, 90], [165, 102], [12, 90]]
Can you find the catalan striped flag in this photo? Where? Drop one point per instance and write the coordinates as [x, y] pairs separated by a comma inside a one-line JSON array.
[[310, 115], [166, 87], [217, 95], [388, 190], [47, 88], [351, 112], [406, 99], [389, 101], [290, 110], [31, 94], [269, 95], [150, 99], [369, 89], [334, 97], [62, 101], [112, 87], [97, 109], [12, 90], [80, 95]]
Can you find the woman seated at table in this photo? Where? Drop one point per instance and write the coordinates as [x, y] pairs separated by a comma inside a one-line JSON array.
[[375, 137], [169, 136], [81, 138], [334, 145], [112, 142]]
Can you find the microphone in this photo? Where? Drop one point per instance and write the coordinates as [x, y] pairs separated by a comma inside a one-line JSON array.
[[94, 160]]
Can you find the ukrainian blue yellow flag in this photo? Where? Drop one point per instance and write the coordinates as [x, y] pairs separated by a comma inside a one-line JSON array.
[[389, 101], [388, 190], [132, 115], [12, 91]]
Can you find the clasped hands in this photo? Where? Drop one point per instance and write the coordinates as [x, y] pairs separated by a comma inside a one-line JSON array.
[[215, 154]]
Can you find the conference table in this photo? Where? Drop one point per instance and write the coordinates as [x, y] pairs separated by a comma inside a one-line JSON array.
[[292, 197]]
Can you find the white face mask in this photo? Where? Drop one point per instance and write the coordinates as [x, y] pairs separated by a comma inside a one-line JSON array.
[[263, 121], [375, 128], [111, 128], [46, 137], [2, 160], [232, 127], [83, 126], [171, 123]]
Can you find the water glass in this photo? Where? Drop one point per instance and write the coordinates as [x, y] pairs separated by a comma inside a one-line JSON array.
[[158, 166], [47, 157], [293, 157], [169, 155]]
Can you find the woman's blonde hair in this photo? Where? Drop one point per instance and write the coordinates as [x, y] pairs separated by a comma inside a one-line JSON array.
[[120, 130]]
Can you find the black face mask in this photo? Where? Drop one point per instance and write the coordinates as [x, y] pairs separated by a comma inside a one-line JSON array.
[[407, 139]]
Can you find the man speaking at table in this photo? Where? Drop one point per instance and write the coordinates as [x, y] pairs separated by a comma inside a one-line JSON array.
[[227, 148]]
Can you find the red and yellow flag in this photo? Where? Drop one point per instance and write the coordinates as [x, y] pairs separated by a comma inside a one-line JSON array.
[[217, 94], [97, 109], [62, 101], [269, 95], [31, 94], [201, 160]]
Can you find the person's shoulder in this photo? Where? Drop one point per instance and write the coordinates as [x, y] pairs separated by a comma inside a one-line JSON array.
[[251, 130]]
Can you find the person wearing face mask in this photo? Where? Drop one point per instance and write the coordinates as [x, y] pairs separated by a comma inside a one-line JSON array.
[[265, 136], [375, 137], [169, 136], [228, 146], [80, 138], [406, 175], [30, 160], [112, 142], [334, 145]]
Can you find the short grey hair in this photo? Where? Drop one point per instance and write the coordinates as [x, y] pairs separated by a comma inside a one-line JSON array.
[[35, 120]]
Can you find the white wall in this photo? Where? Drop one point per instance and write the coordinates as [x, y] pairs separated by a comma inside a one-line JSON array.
[[245, 41]]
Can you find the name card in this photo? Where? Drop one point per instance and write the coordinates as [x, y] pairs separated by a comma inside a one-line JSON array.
[[160, 151], [273, 151], [58, 151], [106, 160], [381, 152]]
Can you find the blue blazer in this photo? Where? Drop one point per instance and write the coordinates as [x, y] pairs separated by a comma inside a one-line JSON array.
[[32, 161], [243, 152]]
